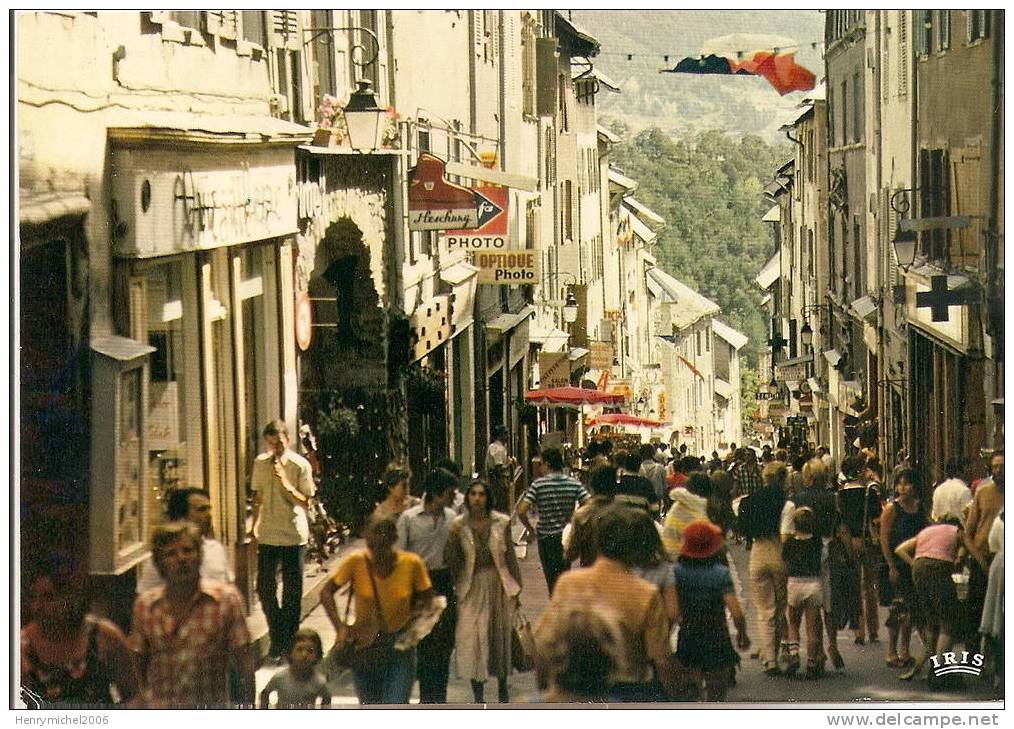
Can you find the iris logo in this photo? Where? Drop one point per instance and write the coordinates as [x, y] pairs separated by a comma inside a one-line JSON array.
[[945, 664]]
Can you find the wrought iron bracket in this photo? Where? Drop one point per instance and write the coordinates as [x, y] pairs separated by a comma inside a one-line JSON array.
[[315, 33]]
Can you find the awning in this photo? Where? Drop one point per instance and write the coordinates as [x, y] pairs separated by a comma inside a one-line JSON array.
[[458, 273], [184, 126], [571, 397], [833, 357], [774, 215], [624, 419], [551, 339], [770, 273], [597, 74], [608, 135], [577, 353], [506, 322], [37, 209], [644, 212], [621, 180], [814, 384], [864, 306], [804, 359], [724, 389], [641, 230], [765, 300], [496, 177]]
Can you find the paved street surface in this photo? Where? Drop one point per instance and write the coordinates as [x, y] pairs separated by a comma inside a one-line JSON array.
[[866, 677]]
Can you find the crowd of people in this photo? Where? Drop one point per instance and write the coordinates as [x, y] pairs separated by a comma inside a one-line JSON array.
[[645, 599]]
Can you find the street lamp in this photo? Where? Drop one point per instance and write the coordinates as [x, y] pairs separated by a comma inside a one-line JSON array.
[[904, 248], [570, 307], [806, 334], [363, 117]]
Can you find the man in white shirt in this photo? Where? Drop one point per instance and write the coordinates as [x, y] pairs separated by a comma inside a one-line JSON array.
[[498, 467], [282, 482], [952, 496], [193, 505]]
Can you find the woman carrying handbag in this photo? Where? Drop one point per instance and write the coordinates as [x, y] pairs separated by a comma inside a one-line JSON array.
[[480, 554], [388, 585]]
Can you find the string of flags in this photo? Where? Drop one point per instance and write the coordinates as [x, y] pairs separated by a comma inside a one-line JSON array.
[[770, 57], [667, 57]]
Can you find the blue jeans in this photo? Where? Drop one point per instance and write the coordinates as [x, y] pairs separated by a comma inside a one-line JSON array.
[[389, 679], [283, 620]]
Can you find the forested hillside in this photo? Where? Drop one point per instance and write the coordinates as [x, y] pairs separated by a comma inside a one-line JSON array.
[[709, 189]]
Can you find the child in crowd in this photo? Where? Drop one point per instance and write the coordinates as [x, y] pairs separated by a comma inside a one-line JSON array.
[[299, 685], [705, 592], [801, 554]]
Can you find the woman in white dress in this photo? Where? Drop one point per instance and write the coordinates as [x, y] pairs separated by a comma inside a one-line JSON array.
[[991, 625], [487, 583]]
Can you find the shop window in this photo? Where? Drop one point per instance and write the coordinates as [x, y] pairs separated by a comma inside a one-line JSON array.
[[169, 387]]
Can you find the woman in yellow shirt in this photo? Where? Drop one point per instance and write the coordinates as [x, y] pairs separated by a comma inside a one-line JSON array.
[[399, 579]]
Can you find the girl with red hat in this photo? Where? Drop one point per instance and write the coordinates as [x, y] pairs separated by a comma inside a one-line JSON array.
[[705, 591]]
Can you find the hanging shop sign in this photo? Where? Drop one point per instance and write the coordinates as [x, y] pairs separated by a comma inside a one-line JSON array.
[[511, 268], [554, 369], [167, 202], [791, 373], [493, 206], [601, 357], [436, 204]]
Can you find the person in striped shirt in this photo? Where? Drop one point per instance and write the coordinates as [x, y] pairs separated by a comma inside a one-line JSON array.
[[553, 496]]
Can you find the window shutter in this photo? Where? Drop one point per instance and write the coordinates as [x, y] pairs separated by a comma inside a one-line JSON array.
[[285, 29], [223, 23], [546, 76], [903, 53]]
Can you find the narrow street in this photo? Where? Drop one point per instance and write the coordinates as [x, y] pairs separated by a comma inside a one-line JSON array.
[[866, 677]]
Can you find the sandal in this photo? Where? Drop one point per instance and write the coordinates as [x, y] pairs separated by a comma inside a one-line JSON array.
[[895, 662], [906, 662], [837, 662]]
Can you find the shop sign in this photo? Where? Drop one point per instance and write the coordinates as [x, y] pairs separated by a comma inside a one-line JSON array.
[[791, 373], [511, 268], [554, 369], [168, 203], [601, 357], [493, 205], [436, 204]]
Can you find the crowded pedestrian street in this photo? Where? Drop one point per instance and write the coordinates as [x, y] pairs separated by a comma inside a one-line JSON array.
[[492, 358]]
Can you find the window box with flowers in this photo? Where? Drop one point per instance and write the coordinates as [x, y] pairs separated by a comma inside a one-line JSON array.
[[332, 131]]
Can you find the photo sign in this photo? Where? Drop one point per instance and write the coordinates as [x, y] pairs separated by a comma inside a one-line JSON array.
[[493, 206], [509, 268]]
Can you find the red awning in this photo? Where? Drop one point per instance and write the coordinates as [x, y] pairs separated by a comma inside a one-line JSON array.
[[623, 419], [571, 397]]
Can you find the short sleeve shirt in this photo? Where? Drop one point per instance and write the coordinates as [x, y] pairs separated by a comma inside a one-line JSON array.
[[396, 591], [292, 692], [187, 661], [282, 523], [554, 496]]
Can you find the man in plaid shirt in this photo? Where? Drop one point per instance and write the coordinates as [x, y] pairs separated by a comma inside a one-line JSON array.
[[186, 631], [746, 474]]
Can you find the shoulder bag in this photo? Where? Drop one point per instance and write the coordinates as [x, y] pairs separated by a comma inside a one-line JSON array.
[[348, 655]]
